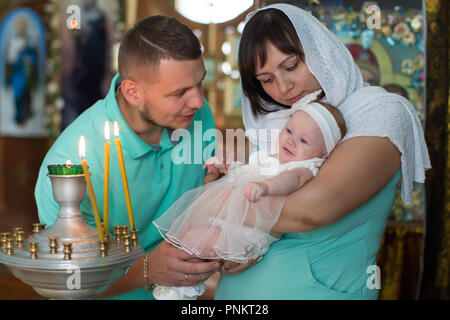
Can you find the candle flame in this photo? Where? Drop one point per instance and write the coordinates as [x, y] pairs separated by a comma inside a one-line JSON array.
[[82, 147], [116, 129], [107, 130]]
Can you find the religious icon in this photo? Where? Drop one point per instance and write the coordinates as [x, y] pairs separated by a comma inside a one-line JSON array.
[[367, 62], [22, 74]]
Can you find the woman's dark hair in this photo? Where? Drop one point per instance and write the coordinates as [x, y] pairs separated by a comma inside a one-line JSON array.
[[270, 25]]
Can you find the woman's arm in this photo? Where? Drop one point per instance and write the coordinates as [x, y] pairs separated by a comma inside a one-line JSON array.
[[280, 185], [288, 181], [356, 170]]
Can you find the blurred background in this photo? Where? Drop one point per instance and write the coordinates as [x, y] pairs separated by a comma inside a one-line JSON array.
[[57, 57]]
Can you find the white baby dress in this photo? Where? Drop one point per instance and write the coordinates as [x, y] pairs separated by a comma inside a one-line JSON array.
[[216, 221]]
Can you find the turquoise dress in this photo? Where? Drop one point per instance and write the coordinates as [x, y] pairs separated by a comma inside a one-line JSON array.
[[332, 262]]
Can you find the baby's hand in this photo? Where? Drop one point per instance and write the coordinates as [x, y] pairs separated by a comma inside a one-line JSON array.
[[253, 191], [216, 169], [216, 164]]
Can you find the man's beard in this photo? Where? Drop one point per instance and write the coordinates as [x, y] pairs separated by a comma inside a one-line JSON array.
[[147, 117]]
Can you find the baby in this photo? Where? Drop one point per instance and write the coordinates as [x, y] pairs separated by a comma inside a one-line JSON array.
[[233, 218]]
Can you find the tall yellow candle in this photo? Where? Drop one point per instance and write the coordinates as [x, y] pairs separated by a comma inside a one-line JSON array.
[[124, 175], [87, 176], [106, 180]]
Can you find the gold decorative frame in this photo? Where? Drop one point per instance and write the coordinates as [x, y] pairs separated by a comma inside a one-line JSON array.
[[230, 109], [434, 282]]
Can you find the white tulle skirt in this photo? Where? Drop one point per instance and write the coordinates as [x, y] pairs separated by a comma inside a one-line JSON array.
[[216, 220]]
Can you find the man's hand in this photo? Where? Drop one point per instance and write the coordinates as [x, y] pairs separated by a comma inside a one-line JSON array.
[[168, 266], [253, 191]]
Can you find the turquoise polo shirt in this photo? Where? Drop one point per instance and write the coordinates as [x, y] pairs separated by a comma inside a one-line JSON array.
[[155, 181]]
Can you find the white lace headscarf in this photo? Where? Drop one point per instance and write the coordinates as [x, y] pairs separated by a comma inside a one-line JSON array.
[[340, 78]]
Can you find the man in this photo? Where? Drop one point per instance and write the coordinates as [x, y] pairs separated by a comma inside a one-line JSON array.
[[158, 89]]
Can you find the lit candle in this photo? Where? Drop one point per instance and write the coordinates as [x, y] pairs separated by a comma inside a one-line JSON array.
[[106, 181], [87, 176], [124, 175], [66, 169]]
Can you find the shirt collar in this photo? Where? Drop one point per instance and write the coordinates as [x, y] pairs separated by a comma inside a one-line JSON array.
[[131, 142]]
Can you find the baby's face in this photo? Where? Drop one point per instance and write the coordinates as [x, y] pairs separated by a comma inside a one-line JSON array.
[[301, 139]]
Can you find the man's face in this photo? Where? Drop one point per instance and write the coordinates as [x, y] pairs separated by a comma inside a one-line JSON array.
[[173, 98]]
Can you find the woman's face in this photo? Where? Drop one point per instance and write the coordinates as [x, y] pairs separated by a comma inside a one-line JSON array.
[[285, 77]]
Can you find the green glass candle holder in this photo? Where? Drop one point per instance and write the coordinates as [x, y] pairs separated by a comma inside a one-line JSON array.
[[65, 169]]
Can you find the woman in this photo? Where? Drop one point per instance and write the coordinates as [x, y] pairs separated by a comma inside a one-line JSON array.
[[336, 221]]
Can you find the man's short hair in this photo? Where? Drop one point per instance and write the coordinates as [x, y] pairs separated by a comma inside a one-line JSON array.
[[152, 39]]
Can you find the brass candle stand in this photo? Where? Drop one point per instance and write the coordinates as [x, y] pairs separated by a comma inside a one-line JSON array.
[[66, 260]]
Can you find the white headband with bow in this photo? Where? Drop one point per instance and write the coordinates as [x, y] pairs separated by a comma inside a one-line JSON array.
[[324, 119]]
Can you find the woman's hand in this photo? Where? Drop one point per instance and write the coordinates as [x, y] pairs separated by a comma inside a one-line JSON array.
[[253, 191], [231, 267]]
